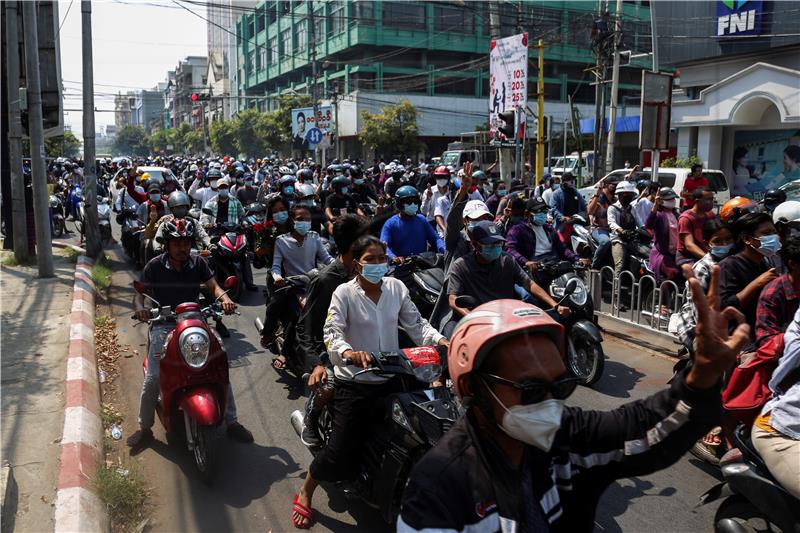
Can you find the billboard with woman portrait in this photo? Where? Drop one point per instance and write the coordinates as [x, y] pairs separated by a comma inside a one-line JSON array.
[[764, 160]]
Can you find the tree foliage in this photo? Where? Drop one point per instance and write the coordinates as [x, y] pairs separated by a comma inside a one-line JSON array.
[[683, 162], [223, 137], [393, 130], [131, 140]]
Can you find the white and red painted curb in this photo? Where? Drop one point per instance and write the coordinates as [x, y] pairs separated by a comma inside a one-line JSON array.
[[77, 508]]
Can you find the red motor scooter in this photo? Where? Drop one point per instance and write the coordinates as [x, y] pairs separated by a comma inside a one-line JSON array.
[[193, 377]]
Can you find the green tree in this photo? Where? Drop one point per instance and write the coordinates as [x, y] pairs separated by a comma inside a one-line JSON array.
[[193, 142], [684, 162], [160, 139], [250, 132], [393, 130], [131, 140], [223, 137], [66, 145]]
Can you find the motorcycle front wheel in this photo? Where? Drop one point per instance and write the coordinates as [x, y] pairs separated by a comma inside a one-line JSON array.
[[58, 227], [205, 450], [586, 361]]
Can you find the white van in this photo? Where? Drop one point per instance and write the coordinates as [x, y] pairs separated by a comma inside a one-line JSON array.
[[671, 177]]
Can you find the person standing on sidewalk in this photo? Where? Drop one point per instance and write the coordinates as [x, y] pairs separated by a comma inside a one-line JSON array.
[[173, 278]]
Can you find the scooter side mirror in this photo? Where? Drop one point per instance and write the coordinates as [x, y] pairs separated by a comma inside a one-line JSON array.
[[466, 302], [572, 284], [231, 282]]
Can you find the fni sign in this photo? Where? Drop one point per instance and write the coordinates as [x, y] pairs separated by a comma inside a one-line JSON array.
[[738, 17]]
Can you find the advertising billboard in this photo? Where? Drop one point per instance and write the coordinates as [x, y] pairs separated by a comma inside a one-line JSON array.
[[764, 160], [307, 130], [508, 81]]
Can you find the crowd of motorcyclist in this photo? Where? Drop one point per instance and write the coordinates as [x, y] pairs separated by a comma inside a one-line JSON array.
[[356, 234]]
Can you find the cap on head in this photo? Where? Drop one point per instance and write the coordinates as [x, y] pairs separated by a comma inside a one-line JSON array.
[[475, 209], [536, 204], [485, 232], [223, 182]]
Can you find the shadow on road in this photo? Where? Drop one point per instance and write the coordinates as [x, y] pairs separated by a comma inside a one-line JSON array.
[[618, 380], [618, 497]]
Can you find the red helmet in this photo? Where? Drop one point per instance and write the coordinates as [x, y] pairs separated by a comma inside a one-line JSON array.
[[488, 325], [178, 228], [442, 170]]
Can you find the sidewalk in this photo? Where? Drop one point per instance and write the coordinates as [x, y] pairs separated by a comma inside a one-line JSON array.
[[662, 343], [35, 340]]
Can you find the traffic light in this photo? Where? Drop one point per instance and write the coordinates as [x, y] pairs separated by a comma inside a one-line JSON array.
[[199, 97], [509, 117]]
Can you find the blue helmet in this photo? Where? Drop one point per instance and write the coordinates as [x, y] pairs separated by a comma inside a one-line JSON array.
[[406, 191]]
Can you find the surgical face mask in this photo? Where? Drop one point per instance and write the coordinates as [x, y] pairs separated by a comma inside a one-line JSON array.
[[442, 183], [280, 217], [223, 193], [471, 226], [490, 252], [540, 219], [302, 226], [344, 190], [213, 184], [535, 424], [373, 273], [154, 197], [288, 190], [410, 209], [770, 245], [248, 183], [670, 204], [502, 192], [180, 212], [556, 186], [359, 181], [721, 251]]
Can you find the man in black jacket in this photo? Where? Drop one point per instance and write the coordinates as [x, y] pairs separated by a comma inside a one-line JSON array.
[[346, 230], [522, 461]]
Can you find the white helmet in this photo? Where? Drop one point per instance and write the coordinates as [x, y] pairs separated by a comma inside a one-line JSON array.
[[305, 189], [625, 186], [786, 212]]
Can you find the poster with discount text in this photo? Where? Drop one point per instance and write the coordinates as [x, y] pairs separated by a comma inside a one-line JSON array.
[[307, 130], [764, 160], [508, 81]]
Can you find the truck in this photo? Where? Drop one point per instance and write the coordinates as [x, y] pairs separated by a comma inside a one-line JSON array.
[[570, 164], [473, 146]]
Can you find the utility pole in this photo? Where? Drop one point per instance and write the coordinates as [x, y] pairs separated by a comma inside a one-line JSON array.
[[612, 122], [41, 207], [566, 121], [600, 69], [540, 113], [18, 215], [314, 71], [91, 225], [335, 102], [503, 154], [654, 36]]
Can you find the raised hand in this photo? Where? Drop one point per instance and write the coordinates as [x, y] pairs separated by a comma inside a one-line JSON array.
[[716, 350]]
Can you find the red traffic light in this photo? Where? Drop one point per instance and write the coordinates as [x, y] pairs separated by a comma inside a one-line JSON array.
[[195, 97]]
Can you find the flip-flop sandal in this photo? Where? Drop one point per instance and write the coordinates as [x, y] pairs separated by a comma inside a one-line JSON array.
[[279, 362], [304, 511]]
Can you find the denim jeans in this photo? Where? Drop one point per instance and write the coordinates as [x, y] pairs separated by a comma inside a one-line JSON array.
[[151, 385], [601, 235], [524, 295]]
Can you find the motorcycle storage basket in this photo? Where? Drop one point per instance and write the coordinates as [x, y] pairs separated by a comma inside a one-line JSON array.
[[431, 279], [435, 419]]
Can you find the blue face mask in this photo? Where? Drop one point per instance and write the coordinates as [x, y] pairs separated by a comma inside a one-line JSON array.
[[490, 252], [411, 209], [471, 226], [556, 186], [359, 181], [223, 193], [155, 198], [289, 191], [373, 273], [248, 183], [770, 245], [302, 226], [540, 219], [280, 217], [502, 192], [721, 251], [344, 190]]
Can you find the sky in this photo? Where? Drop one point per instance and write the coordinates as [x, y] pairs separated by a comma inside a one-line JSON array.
[[135, 43]]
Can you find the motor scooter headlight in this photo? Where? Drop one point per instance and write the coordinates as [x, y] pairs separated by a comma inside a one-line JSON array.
[[578, 296], [195, 344]]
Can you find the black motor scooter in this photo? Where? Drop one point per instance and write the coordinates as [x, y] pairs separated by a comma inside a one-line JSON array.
[[424, 276], [754, 501], [405, 426]]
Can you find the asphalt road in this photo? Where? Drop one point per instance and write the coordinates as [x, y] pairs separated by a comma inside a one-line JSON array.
[[255, 483]]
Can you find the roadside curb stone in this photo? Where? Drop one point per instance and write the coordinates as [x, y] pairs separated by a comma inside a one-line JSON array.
[[77, 506]]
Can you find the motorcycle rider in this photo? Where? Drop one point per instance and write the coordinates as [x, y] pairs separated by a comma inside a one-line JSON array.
[[154, 203], [346, 230], [295, 253], [286, 188], [522, 459], [567, 201], [340, 202], [173, 278], [222, 208], [205, 194], [178, 203], [363, 317], [598, 213], [623, 222], [246, 193], [432, 194], [408, 233], [363, 190]]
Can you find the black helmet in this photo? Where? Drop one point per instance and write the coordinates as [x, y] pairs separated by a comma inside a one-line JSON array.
[[214, 174], [355, 172], [774, 197], [178, 198], [340, 182], [178, 228]]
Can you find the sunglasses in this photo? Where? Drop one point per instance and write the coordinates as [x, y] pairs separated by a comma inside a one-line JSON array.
[[535, 390]]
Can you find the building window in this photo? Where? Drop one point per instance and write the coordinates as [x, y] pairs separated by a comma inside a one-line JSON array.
[[365, 12], [319, 25], [262, 57], [260, 22], [251, 61], [272, 51], [286, 43], [301, 36], [404, 16], [251, 27], [272, 13], [454, 19], [337, 17]]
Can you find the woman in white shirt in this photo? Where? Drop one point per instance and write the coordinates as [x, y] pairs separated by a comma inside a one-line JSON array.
[[364, 316]]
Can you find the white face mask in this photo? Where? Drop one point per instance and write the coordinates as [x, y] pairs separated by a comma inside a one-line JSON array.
[[442, 183], [670, 204], [535, 424]]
